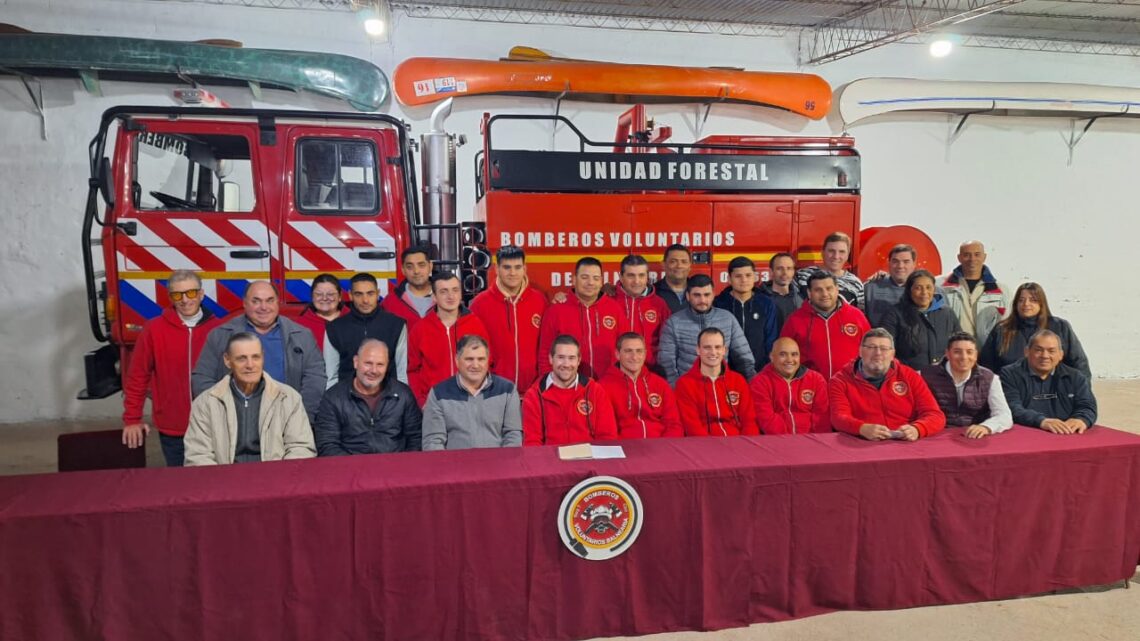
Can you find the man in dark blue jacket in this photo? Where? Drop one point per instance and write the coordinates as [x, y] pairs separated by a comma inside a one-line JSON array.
[[368, 413], [1044, 392], [756, 314]]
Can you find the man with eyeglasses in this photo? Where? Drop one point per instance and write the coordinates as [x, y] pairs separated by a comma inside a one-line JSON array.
[[290, 356], [160, 364], [1044, 392], [879, 398]]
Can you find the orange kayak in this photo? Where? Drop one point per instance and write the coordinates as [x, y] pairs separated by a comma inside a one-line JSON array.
[[420, 81]]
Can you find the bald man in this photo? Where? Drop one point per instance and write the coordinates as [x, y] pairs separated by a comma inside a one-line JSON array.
[[291, 355], [790, 398], [971, 291]]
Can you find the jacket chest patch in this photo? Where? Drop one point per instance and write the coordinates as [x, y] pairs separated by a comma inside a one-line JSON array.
[[733, 397], [609, 322], [850, 329], [900, 388], [536, 320], [585, 407], [650, 316], [807, 397], [654, 400]]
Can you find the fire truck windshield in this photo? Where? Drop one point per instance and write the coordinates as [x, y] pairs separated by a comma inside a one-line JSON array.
[[192, 172]]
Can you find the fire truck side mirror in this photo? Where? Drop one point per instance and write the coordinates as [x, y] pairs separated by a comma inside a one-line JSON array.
[[105, 187]]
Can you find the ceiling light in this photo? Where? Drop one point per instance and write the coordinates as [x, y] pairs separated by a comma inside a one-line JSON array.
[[941, 48], [374, 27]]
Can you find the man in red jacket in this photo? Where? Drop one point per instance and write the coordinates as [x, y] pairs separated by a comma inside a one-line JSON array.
[[645, 312], [827, 328], [643, 402], [790, 398], [512, 312], [412, 298], [879, 398], [163, 357], [431, 343], [564, 406], [714, 400], [594, 320]]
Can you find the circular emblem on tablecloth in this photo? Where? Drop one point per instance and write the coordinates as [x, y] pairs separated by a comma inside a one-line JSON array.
[[536, 320], [650, 316], [900, 388], [600, 518], [609, 321], [807, 396], [733, 398], [654, 400], [585, 407], [850, 329]]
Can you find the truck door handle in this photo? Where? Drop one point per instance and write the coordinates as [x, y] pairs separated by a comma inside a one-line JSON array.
[[129, 228], [249, 253], [380, 255]]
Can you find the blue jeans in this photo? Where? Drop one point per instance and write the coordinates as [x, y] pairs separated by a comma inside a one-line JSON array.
[[172, 450]]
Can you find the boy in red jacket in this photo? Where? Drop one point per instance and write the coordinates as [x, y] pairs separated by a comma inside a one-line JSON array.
[[644, 311], [163, 357], [431, 343], [827, 328], [512, 313], [790, 398], [594, 320], [643, 402], [879, 399], [713, 399], [564, 406]]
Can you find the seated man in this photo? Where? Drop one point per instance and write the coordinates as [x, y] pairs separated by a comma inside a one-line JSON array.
[[368, 413], [970, 395], [879, 398], [1044, 392], [474, 408], [714, 400], [790, 398], [565, 406], [643, 402], [247, 416]]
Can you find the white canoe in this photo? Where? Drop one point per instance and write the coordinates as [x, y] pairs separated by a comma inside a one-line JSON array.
[[875, 96]]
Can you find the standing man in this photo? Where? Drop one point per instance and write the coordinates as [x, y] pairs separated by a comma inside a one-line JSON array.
[[756, 315], [827, 328], [879, 398], [678, 262], [565, 406], [512, 312], [594, 320], [1044, 392], [247, 416], [645, 314], [290, 355], [781, 287], [678, 351], [368, 413], [712, 399], [474, 408], [432, 345], [790, 398], [643, 402], [411, 299], [970, 395], [836, 252], [884, 292], [365, 319], [160, 366], [972, 292]]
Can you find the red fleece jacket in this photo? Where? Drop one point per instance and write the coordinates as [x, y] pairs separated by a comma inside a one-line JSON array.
[[513, 324], [903, 399], [595, 327], [720, 406], [431, 350], [645, 408], [554, 416], [798, 406], [826, 344]]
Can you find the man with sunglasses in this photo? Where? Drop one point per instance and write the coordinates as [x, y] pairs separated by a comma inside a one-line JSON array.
[[163, 357]]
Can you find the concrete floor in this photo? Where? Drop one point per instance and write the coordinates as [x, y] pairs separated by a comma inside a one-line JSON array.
[[1095, 612]]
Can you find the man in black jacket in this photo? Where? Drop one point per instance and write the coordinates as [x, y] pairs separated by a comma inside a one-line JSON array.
[[757, 315], [1044, 392], [368, 413], [365, 320]]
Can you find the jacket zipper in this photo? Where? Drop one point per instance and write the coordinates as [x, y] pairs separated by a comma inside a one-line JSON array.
[[791, 400]]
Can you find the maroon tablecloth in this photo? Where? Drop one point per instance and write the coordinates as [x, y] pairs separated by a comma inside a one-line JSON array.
[[463, 545]]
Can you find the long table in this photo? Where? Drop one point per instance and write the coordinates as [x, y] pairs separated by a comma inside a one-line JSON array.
[[464, 545]]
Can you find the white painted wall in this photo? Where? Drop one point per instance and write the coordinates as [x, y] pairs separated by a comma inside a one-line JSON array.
[[1005, 181]]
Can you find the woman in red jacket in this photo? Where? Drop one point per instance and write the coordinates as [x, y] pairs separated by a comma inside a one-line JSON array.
[[713, 399]]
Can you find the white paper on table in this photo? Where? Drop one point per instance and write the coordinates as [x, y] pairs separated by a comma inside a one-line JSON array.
[[607, 451]]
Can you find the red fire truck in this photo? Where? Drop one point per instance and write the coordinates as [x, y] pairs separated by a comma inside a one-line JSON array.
[[239, 195]]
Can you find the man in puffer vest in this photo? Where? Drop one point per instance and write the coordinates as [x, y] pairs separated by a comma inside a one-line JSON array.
[[970, 395], [713, 399], [564, 406], [790, 398]]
